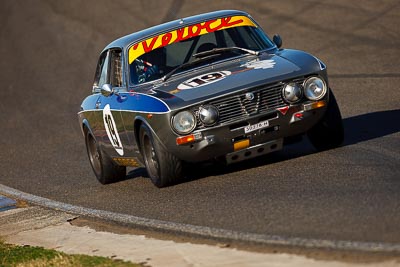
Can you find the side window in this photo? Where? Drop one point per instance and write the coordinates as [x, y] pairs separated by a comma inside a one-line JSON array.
[[104, 71], [116, 68], [109, 69], [100, 77]]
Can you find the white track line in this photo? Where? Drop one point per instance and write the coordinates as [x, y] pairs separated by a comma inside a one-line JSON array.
[[201, 231]]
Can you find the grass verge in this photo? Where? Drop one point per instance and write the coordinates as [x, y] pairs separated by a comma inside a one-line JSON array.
[[27, 256]]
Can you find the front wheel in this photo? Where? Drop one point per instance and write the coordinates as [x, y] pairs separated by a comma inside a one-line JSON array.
[[104, 168], [163, 168], [328, 133]]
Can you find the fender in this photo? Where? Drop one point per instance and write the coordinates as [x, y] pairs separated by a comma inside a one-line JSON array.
[[85, 123], [305, 61], [137, 122]]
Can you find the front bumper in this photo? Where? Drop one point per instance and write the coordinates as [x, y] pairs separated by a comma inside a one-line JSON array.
[[238, 141]]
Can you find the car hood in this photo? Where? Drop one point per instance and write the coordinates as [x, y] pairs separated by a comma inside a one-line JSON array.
[[226, 77]]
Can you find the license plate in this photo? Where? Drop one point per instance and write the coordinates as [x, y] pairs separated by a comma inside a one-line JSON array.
[[257, 126]]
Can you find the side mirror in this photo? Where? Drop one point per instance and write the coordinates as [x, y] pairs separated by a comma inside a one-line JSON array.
[[277, 40], [106, 90]]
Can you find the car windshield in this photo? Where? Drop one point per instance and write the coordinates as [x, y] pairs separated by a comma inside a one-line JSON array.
[[165, 54]]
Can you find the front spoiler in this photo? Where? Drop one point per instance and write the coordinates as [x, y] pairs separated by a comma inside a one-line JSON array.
[[254, 151]]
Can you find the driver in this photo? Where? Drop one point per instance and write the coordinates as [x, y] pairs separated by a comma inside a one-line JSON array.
[[143, 71]]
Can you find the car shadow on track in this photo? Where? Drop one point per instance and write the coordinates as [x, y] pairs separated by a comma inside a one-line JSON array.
[[370, 126], [358, 129]]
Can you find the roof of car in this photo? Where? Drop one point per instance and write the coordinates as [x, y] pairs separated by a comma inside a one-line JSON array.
[[125, 41]]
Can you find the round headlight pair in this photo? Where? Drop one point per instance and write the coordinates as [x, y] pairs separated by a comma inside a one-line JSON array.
[[184, 122], [314, 89]]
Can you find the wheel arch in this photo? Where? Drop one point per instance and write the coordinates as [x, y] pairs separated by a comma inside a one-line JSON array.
[[85, 127], [138, 121], [136, 129]]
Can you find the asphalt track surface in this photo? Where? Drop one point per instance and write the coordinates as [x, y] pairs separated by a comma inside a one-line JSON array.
[[48, 53]]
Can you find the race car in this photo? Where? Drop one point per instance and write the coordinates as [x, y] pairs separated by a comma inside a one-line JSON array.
[[211, 87]]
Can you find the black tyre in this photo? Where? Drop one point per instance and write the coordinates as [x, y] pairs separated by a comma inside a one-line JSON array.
[[104, 168], [163, 168], [328, 133]]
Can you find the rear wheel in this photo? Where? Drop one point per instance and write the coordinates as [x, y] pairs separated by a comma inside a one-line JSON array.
[[163, 168], [328, 133], [104, 168]]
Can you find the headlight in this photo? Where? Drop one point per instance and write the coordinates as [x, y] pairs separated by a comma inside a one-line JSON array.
[[314, 88], [208, 115], [184, 122], [292, 92]]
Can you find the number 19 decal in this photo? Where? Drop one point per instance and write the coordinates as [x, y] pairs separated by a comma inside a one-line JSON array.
[[111, 130]]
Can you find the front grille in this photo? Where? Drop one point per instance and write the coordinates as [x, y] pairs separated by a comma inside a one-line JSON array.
[[241, 106]]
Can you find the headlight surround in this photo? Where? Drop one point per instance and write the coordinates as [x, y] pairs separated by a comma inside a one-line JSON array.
[[208, 115], [292, 92], [315, 88], [184, 122]]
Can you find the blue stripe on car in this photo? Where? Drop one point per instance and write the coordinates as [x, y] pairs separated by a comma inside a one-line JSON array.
[[141, 103], [130, 102], [135, 102]]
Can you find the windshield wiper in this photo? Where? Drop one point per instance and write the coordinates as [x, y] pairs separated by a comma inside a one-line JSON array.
[[184, 65], [224, 49]]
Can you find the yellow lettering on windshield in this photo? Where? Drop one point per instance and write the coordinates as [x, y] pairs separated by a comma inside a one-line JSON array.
[[185, 33]]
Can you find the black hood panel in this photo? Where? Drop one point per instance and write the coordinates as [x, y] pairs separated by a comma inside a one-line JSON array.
[[215, 80]]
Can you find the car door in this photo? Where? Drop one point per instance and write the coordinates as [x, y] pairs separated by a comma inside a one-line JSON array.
[[110, 128]]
